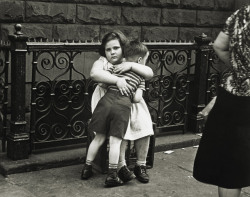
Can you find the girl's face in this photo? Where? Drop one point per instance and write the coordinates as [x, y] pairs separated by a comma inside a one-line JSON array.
[[113, 51]]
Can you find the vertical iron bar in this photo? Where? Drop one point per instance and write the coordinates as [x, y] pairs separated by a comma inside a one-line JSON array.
[[5, 106], [33, 102], [199, 97], [208, 78], [18, 138], [5, 101], [160, 88], [187, 92]]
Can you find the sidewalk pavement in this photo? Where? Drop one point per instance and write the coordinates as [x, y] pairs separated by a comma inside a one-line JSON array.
[[76, 155], [171, 176]]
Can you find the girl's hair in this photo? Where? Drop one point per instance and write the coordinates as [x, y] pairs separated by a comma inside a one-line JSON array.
[[113, 35]]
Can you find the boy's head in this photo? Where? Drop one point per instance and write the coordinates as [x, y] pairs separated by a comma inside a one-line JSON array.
[[135, 51]]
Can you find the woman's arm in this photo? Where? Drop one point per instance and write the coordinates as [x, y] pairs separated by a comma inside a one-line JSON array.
[[145, 71], [221, 47]]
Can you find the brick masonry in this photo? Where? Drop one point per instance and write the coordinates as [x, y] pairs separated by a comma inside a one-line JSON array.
[[138, 19]]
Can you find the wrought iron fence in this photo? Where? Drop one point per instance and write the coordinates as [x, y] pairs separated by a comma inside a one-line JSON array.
[[168, 91], [216, 72], [184, 81], [4, 68], [60, 94]]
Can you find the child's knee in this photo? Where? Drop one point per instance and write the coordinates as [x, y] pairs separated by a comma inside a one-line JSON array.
[[114, 140], [99, 138]]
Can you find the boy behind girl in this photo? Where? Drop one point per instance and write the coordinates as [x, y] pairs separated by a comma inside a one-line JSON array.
[[111, 115]]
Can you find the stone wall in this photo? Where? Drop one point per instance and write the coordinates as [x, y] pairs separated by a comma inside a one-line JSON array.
[[138, 19], [240, 3]]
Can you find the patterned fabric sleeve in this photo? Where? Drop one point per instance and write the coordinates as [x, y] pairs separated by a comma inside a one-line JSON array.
[[237, 80], [229, 23], [142, 85], [111, 69]]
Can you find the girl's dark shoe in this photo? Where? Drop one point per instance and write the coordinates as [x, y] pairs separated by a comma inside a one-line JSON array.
[[86, 171], [141, 173], [112, 179], [125, 174]]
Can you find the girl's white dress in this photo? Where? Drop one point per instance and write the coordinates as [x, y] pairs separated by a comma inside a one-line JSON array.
[[140, 123]]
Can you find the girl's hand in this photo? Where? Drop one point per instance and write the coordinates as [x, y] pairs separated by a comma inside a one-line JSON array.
[[123, 86], [123, 67]]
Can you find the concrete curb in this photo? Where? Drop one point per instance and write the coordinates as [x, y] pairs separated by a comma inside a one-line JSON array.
[[60, 158], [177, 145]]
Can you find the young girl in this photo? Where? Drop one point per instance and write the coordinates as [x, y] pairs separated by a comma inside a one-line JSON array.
[[98, 73]]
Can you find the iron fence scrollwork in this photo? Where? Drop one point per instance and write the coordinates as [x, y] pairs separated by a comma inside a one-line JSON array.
[[186, 78], [168, 91], [4, 86], [60, 101]]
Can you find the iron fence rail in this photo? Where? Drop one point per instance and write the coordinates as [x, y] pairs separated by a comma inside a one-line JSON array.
[[185, 79]]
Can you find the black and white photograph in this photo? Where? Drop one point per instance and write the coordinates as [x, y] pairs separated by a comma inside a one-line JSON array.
[[124, 98]]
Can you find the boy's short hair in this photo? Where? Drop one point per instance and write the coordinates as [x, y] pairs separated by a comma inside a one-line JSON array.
[[134, 49]]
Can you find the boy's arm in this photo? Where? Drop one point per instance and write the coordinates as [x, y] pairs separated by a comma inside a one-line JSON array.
[[139, 92], [138, 95], [145, 71]]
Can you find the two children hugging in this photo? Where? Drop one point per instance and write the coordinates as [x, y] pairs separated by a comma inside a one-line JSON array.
[[112, 113]]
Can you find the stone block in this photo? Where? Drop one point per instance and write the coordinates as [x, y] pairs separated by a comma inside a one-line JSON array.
[[163, 3], [31, 30], [11, 11], [215, 32], [225, 4], [194, 4], [71, 1], [50, 12], [212, 18], [178, 17], [99, 14], [43, 31], [57, 1], [141, 16], [124, 2], [159, 33], [5, 30], [72, 32], [18, 149], [131, 32], [87, 1], [188, 34]]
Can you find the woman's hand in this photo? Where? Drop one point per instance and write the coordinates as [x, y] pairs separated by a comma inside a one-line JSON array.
[[123, 67], [123, 86]]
